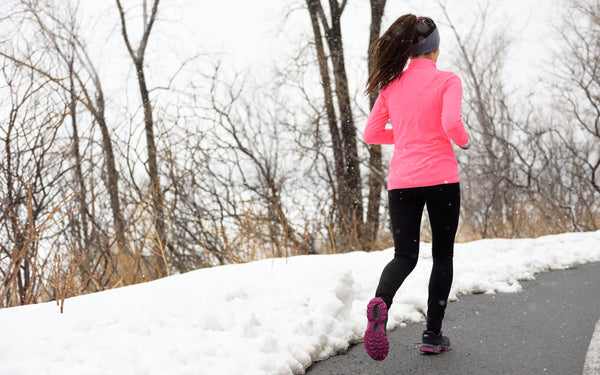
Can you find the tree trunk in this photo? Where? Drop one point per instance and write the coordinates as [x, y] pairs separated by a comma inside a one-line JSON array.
[[81, 229], [376, 181], [153, 172], [349, 205], [112, 178], [334, 131], [157, 194]]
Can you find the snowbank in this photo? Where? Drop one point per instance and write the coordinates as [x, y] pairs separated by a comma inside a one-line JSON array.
[[269, 317]]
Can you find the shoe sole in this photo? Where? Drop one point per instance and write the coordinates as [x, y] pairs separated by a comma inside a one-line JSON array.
[[433, 349], [375, 340]]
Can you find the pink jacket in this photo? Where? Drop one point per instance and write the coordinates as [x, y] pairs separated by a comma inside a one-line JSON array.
[[423, 106]]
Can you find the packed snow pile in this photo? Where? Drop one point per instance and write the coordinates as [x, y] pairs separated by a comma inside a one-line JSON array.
[[269, 317]]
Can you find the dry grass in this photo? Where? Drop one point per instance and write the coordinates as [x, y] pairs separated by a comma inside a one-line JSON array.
[[69, 273], [25, 265]]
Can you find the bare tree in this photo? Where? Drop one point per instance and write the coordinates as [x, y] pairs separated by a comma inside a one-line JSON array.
[[537, 175], [578, 131], [76, 81], [31, 175], [376, 180], [237, 185], [496, 164], [353, 230], [343, 131], [137, 56], [580, 77]]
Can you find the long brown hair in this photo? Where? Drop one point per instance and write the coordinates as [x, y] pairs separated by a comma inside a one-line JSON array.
[[391, 51]]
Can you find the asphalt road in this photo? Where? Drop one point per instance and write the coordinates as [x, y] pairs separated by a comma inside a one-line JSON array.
[[545, 329]]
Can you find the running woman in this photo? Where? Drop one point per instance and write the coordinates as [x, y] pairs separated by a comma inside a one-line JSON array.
[[423, 105]]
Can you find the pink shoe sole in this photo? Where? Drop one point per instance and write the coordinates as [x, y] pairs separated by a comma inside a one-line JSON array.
[[375, 340], [428, 350]]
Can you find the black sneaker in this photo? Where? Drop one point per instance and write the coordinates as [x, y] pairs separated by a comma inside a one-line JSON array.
[[434, 344]]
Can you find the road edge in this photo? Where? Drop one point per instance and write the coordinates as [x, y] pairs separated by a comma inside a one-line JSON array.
[[592, 358]]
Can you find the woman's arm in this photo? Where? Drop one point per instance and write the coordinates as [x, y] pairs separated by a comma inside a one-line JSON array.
[[451, 112], [375, 131]]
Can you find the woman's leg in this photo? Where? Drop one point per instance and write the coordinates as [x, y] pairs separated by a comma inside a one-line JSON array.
[[443, 207], [406, 209]]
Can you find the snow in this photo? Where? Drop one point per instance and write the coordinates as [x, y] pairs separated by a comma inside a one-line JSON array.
[[274, 316]]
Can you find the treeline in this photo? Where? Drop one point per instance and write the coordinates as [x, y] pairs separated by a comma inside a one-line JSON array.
[[218, 168]]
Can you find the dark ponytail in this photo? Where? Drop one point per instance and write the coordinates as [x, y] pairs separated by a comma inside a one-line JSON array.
[[390, 53]]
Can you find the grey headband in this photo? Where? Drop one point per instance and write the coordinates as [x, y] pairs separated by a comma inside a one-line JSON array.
[[429, 44]]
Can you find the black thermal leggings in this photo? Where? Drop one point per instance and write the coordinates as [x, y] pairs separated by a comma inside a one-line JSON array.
[[406, 209]]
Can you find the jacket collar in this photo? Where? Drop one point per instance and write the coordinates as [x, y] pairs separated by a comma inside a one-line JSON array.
[[421, 63]]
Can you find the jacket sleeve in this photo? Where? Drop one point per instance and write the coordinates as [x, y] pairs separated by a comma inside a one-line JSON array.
[[451, 112], [375, 130]]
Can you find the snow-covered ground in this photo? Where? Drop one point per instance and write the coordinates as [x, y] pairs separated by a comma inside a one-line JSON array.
[[274, 316]]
